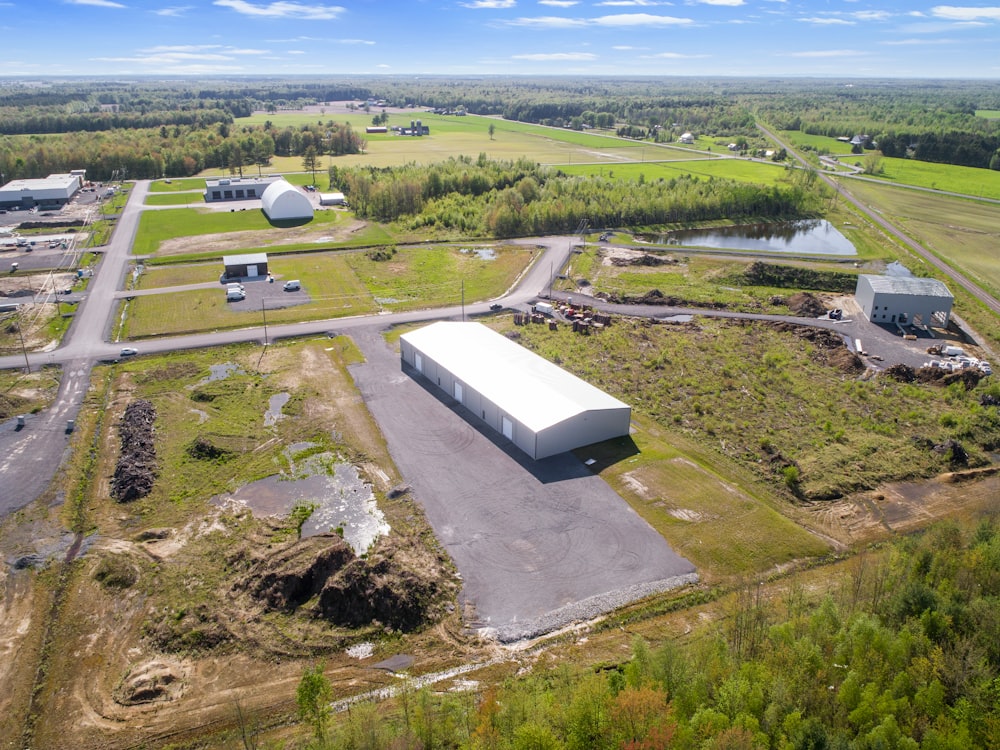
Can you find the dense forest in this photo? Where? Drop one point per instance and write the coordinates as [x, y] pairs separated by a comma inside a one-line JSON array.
[[903, 655], [508, 199]]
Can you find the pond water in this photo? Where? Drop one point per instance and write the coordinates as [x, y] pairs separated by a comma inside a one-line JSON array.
[[483, 253], [805, 237], [275, 404], [342, 498]]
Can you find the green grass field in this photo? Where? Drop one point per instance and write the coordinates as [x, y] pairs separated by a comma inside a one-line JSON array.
[[174, 199], [157, 226], [338, 284], [982, 183], [989, 114], [964, 233], [741, 170], [189, 183]]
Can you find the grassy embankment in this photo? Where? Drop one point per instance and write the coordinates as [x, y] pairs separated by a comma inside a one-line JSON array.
[[338, 284], [767, 399]]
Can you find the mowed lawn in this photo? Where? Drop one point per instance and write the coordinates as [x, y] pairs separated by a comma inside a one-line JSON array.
[[157, 226], [338, 284], [963, 232], [981, 183]]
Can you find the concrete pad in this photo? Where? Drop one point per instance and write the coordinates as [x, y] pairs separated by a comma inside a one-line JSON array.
[[539, 544]]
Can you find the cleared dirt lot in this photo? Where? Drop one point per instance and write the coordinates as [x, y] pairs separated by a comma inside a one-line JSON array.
[[538, 543]]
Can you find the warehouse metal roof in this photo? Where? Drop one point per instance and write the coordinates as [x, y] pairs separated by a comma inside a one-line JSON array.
[[249, 259], [908, 285], [528, 387]]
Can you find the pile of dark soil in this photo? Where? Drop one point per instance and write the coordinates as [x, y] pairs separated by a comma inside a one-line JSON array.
[[399, 584], [806, 305], [135, 472], [936, 376], [644, 260], [656, 297], [902, 373], [829, 347]]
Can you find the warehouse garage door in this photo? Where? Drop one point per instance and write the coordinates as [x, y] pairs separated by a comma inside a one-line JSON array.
[[508, 428], [458, 392], [418, 362]]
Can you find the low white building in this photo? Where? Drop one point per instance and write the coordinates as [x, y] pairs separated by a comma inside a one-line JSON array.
[[906, 300], [54, 190], [282, 201], [332, 199], [686, 138], [538, 406]]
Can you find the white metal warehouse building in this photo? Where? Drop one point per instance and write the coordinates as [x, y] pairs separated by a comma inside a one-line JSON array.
[[535, 404], [905, 300], [282, 201], [54, 190]]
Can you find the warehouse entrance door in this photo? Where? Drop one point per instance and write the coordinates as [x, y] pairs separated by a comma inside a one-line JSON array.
[[418, 362], [507, 427], [458, 392]]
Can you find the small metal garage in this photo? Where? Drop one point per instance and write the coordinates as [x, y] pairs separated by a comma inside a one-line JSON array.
[[247, 266], [535, 404]]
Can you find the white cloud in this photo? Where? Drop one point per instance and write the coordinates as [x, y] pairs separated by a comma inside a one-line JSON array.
[[559, 3], [557, 56], [917, 42], [827, 53], [640, 19], [957, 13], [295, 52], [872, 15], [283, 9], [494, 4], [630, 3], [173, 12], [97, 3], [673, 56], [353, 41], [826, 21], [550, 22], [731, 3]]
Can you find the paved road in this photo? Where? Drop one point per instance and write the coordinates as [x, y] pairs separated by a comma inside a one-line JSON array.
[[843, 189]]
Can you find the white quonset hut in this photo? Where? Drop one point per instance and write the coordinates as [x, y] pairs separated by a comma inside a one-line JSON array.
[[282, 201], [54, 190], [535, 404], [237, 188], [906, 300]]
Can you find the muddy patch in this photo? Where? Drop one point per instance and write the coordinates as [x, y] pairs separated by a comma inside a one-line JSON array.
[[274, 406], [341, 500]]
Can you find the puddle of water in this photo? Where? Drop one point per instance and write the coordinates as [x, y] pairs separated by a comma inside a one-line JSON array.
[[275, 404], [220, 372], [483, 253], [386, 300], [202, 415], [342, 499], [323, 239]]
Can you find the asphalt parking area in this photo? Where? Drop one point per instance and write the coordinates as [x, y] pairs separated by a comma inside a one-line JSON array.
[[539, 544], [269, 293]]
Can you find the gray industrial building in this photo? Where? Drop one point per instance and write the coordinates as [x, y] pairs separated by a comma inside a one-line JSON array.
[[237, 188], [247, 266], [535, 404], [904, 300]]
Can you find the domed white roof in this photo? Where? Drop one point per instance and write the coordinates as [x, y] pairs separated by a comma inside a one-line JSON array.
[[282, 200]]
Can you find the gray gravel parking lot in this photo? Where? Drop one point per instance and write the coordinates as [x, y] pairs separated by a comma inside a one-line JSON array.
[[539, 544]]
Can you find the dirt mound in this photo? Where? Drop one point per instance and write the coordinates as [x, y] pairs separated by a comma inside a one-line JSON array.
[[135, 472], [830, 348], [298, 573], [902, 373], [645, 259], [807, 305], [400, 584], [656, 297], [149, 683], [936, 376]]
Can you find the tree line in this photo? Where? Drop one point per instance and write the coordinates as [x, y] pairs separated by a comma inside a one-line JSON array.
[[520, 198], [902, 654]]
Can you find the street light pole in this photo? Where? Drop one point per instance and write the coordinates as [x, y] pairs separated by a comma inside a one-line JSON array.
[[264, 316], [24, 349]]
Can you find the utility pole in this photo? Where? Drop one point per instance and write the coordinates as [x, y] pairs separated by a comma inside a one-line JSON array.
[[24, 349], [264, 316], [463, 300]]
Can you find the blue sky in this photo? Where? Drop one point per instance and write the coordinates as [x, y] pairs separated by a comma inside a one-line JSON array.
[[833, 38]]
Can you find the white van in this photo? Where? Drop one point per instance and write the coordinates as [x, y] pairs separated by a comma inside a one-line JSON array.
[[292, 286], [235, 295]]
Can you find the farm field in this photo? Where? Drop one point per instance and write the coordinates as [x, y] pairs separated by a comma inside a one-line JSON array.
[[962, 232], [982, 183], [741, 170]]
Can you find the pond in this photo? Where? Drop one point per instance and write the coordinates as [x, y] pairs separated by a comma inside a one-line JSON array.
[[804, 237]]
